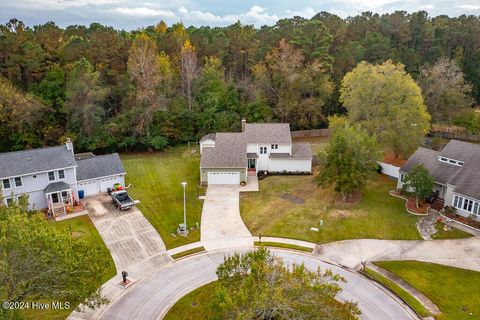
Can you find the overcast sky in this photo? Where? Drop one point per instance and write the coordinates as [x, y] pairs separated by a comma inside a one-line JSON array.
[[133, 14]]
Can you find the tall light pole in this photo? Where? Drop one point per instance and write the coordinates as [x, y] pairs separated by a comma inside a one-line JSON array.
[[184, 184]]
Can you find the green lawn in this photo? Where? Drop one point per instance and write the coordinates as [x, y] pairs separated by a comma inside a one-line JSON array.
[[156, 181], [455, 291], [188, 252], [193, 306], [399, 291], [79, 227], [282, 245], [288, 206], [453, 233]]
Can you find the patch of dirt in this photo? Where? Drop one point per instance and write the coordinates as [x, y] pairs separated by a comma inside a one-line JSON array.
[[77, 234], [335, 213], [292, 198], [390, 158], [351, 199]]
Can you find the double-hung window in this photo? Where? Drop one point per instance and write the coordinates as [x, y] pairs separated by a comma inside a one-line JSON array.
[[51, 176], [263, 150], [18, 182], [9, 201], [61, 174], [6, 184]]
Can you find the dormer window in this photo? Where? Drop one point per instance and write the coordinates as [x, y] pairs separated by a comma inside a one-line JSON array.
[[451, 161]]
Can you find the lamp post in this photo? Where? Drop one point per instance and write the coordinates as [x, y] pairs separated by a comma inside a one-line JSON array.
[[184, 184]]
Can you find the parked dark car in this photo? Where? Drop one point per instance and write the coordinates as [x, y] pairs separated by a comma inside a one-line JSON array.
[[122, 200]]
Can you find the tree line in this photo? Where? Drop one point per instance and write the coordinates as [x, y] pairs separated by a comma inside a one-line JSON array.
[[162, 85]]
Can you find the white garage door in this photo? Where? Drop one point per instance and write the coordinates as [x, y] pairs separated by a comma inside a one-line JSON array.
[[109, 182], [224, 178], [90, 188]]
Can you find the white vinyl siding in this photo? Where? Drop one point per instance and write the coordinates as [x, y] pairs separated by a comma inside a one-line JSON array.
[[61, 174]]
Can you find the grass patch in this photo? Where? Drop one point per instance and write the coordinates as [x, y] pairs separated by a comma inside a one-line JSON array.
[[156, 181], [455, 291], [377, 216], [195, 305], [282, 245], [399, 291], [187, 252], [79, 227], [453, 233]]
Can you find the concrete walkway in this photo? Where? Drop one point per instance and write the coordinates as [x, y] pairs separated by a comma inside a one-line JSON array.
[[222, 226], [461, 253], [153, 297], [427, 303]]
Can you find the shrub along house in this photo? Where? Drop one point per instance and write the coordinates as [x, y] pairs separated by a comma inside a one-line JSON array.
[[53, 177], [456, 171], [229, 158]]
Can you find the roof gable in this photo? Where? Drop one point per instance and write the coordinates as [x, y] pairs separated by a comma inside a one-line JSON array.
[[99, 166]]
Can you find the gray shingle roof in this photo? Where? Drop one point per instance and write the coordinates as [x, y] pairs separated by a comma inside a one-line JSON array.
[[230, 152], [465, 178], [35, 160], [299, 151], [210, 136], [57, 186], [99, 166], [268, 133], [459, 150]]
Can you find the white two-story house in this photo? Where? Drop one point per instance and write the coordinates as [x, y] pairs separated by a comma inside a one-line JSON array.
[[54, 177], [456, 171], [229, 158]]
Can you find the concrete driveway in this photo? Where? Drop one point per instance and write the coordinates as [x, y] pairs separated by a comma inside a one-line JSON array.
[[222, 226], [153, 297], [461, 253], [128, 234]]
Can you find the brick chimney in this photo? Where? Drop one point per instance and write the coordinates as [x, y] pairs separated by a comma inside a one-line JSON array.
[[69, 144], [244, 122]]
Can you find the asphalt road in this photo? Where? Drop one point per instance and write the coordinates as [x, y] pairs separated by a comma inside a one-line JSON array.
[[152, 297]]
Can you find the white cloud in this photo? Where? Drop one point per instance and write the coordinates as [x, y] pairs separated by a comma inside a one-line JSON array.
[[255, 15], [307, 12], [469, 7], [64, 4], [143, 12]]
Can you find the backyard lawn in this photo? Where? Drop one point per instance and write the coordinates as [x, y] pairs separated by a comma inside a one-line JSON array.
[[156, 181], [456, 292], [288, 206]]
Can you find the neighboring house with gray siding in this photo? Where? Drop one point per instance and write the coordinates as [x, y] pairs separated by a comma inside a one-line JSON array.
[[229, 158], [456, 171], [52, 177]]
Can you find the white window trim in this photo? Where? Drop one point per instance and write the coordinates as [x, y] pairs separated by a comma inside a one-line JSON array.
[[9, 183], [58, 175], [461, 202], [54, 176], [15, 182]]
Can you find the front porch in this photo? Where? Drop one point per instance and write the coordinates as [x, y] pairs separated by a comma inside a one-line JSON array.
[[61, 201], [252, 164]]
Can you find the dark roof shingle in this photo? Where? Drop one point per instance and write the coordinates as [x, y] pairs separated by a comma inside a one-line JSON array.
[[230, 151], [299, 151], [35, 160], [99, 166]]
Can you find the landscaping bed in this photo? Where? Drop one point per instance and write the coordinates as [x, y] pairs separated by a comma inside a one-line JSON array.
[[187, 252], [455, 291], [470, 222]]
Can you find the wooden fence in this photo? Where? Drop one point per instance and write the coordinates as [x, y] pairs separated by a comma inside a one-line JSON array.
[[311, 133], [457, 136]]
